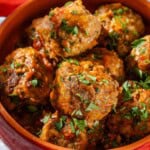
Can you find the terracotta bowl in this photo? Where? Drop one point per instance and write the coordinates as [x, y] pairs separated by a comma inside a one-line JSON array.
[[11, 29]]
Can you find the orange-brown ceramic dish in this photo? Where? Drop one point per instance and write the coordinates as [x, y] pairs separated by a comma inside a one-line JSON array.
[[10, 32]]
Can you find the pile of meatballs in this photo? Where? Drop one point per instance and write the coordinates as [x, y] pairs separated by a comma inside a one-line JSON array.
[[82, 80]]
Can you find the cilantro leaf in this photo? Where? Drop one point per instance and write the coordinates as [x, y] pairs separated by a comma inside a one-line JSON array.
[[137, 43], [92, 106]]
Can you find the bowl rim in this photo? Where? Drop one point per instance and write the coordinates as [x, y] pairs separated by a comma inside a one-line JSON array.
[[31, 138], [12, 122]]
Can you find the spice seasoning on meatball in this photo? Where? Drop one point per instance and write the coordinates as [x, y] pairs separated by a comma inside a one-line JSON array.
[[110, 60], [121, 26], [132, 117], [67, 31], [80, 91], [70, 132], [25, 75], [139, 58]]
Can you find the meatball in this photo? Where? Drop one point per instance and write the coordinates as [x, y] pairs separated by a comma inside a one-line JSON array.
[[110, 60], [139, 58], [83, 89], [67, 31], [121, 26], [131, 120], [70, 132], [25, 75]]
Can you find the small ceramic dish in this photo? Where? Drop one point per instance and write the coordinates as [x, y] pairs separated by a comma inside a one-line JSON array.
[[10, 31]]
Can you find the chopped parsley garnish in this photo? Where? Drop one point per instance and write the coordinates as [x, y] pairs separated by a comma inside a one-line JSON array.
[[68, 3], [140, 113], [51, 14], [66, 49], [77, 113], [104, 81], [72, 61], [126, 91], [122, 22], [59, 125], [137, 42], [83, 79], [53, 34], [15, 65], [80, 124], [12, 65], [69, 29], [74, 12], [93, 78], [35, 82], [72, 127], [139, 73], [4, 69], [113, 40], [45, 118], [145, 84], [92, 106], [119, 11]]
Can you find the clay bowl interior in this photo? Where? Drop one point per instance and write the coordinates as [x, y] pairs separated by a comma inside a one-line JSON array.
[[10, 32]]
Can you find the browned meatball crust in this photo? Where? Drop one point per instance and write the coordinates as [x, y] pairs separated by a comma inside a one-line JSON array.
[[67, 31], [131, 119], [26, 74], [70, 132], [83, 89], [139, 58], [110, 60], [121, 26]]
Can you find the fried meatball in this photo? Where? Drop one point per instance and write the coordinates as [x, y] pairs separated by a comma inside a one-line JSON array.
[[67, 31], [121, 26], [110, 60], [26, 74], [70, 132], [139, 58], [131, 120], [83, 89]]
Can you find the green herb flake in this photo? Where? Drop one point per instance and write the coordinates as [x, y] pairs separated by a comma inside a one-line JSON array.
[[72, 61], [93, 78], [45, 118], [113, 40], [59, 125], [69, 29], [74, 12], [66, 49], [126, 91], [12, 65], [4, 69], [92, 106], [35, 82], [145, 84], [68, 3], [83, 80], [127, 116], [80, 124], [137, 42], [104, 81], [77, 113], [72, 127], [53, 34], [32, 108], [119, 11]]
